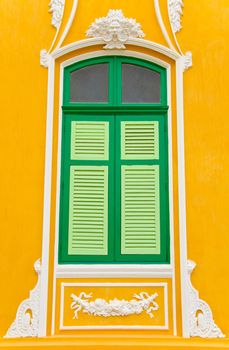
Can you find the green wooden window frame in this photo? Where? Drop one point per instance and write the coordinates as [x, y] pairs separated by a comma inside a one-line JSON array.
[[115, 114]]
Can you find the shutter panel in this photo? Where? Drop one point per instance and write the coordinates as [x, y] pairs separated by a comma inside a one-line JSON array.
[[88, 210], [139, 140], [89, 140], [140, 227]]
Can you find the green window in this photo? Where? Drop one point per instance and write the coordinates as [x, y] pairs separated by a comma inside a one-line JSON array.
[[114, 201]]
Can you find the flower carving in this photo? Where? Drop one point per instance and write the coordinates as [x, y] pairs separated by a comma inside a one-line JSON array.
[[115, 307], [115, 29]]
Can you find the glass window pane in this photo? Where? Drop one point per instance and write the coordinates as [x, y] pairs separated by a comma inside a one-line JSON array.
[[90, 84], [140, 85]]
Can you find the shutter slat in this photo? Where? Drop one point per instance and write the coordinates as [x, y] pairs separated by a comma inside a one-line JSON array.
[[89, 140], [139, 140], [140, 210], [88, 207]]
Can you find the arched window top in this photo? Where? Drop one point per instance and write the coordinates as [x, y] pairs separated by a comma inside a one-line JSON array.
[[115, 81]]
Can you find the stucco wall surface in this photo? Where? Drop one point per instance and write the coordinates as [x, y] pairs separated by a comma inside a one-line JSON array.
[[25, 30]]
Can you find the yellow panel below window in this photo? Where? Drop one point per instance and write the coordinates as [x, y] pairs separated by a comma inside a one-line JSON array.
[[114, 305]]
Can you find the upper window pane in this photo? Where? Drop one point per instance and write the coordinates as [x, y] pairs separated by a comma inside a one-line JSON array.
[[140, 85], [90, 84]]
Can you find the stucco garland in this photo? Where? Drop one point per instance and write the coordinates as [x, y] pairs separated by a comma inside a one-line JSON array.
[[115, 307]]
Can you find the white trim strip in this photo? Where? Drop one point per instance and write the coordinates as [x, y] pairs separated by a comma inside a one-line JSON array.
[[171, 202], [47, 203], [182, 198]]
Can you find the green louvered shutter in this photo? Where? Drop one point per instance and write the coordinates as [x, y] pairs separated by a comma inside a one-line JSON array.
[[140, 140], [88, 210], [88, 188], [89, 140], [140, 210], [140, 188]]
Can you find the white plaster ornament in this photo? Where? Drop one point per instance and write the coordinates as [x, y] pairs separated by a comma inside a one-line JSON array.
[[115, 307], [115, 29], [175, 13], [44, 58], [26, 323], [201, 322], [187, 60], [57, 9]]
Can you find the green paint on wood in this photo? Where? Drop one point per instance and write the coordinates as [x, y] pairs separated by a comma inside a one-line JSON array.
[[89, 140], [139, 140], [88, 210], [140, 203], [107, 145]]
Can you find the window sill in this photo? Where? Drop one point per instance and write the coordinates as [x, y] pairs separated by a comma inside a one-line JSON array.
[[132, 271]]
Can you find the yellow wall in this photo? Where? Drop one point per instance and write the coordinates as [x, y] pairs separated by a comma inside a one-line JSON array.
[[25, 29]]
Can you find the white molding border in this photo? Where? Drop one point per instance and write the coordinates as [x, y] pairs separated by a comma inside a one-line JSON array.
[[166, 317], [83, 271], [47, 200], [201, 322], [153, 46], [182, 194], [27, 319]]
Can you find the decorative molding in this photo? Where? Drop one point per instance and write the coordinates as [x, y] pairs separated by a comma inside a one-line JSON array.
[[115, 307], [57, 9], [143, 43], [201, 323], [162, 25], [175, 13], [108, 270], [44, 58], [115, 29], [26, 323], [187, 60]]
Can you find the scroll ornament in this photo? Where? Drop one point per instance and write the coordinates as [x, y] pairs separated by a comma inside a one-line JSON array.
[[26, 323], [201, 322]]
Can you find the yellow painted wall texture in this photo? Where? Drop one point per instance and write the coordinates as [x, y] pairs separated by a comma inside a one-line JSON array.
[[25, 30]]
